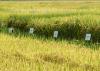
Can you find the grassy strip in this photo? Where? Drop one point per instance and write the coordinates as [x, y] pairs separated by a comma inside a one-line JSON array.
[[72, 28]]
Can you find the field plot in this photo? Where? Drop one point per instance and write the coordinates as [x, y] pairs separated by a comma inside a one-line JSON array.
[[21, 51], [27, 54]]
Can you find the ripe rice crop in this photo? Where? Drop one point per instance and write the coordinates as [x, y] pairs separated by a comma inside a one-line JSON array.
[[21, 51], [73, 27]]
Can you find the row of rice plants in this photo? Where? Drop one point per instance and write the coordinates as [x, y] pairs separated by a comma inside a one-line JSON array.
[[74, 27]]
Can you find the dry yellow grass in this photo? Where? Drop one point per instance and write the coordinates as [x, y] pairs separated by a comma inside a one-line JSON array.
[[27, 54]]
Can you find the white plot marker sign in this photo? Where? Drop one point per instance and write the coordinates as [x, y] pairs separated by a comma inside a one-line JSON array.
[[88, 37], [31, 30], [11, 30], [55, 34]]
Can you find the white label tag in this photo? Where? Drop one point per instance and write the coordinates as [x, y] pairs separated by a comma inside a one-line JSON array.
[[31, 30], [55, 34], [88, 37], [11, 30]]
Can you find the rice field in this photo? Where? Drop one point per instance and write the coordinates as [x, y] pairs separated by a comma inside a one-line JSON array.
[[32, 53], [50, 7], [20, 51]]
